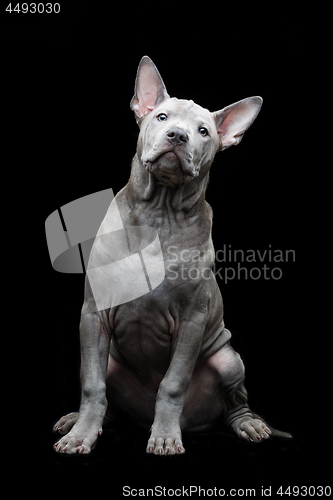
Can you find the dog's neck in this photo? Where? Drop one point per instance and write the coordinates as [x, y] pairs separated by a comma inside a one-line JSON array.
[[185, 197]]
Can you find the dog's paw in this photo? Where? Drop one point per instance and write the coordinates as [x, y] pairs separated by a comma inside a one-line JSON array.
[[65, 423], [165, 446], [252, 429], [81, 439]]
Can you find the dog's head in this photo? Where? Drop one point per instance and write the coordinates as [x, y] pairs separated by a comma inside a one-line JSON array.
[[178, 139]]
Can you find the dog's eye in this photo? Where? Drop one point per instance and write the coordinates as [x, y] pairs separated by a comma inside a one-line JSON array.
[[203, 131], [162, 117]]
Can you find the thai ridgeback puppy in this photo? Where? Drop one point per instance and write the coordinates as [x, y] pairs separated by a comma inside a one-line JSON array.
[[164, 358]]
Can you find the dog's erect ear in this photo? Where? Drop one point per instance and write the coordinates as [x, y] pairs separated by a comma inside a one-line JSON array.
[[234, 120], [149, 89]]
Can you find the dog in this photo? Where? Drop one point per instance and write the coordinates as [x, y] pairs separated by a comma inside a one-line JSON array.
[[164, 358]]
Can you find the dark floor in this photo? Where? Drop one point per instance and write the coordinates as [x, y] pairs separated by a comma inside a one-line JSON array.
[[212, 460]]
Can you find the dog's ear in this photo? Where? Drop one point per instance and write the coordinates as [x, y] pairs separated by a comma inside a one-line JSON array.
[[234, 120], [149, 89]]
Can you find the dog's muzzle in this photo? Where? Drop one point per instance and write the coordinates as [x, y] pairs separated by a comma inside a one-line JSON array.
[[171, 162]]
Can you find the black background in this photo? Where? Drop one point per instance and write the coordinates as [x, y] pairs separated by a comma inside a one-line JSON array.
[[70, 132]]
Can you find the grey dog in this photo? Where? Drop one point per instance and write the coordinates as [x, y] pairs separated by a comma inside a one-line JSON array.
[[164, 358]]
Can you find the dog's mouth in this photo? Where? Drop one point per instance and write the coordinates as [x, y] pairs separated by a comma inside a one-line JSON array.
[[170, 168]]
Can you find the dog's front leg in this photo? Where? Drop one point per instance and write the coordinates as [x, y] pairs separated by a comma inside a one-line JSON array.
[[95, 344], [165, 436]]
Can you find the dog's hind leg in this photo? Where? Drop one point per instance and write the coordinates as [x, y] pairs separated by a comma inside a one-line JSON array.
[[238, 415]]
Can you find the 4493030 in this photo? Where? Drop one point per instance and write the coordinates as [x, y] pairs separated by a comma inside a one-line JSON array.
[[34, 8], [305, 491]]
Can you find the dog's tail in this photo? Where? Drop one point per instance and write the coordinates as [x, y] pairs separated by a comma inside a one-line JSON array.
[[275, 432]]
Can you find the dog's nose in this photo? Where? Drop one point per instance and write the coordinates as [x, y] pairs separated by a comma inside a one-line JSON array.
[[177, 136]]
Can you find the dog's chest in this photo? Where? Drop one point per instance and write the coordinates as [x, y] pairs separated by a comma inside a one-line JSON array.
[[142, 331]]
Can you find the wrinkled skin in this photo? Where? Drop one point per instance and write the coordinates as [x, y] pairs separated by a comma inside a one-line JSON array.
[[165, 358]]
